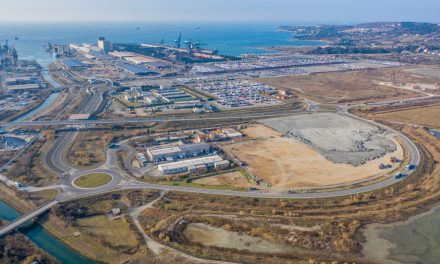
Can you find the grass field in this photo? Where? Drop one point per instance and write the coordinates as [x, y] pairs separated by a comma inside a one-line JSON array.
[[351, 86], [93, 180], [235, 178], [328, 107], [425, 116]]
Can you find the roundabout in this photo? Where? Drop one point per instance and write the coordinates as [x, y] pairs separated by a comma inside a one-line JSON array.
[[92, 180]]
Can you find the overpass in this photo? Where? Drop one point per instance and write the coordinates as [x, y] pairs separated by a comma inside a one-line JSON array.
[[25, 218]]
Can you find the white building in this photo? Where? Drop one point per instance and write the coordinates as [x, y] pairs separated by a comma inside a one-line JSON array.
[[194, 165], [177, 152], [104, 45]]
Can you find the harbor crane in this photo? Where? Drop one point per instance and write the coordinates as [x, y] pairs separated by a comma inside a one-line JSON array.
[[178, 41]]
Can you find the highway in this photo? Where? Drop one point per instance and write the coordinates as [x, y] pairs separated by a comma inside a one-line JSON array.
[[56, 156], [120, 181], [140, 120]]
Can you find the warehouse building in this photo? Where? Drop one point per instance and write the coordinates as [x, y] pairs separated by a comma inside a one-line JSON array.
[[197, 165], [73, 64], [135, 69], [172, 95], [157, 154]]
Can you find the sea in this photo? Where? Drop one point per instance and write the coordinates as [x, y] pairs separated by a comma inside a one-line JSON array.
[[229, 38]]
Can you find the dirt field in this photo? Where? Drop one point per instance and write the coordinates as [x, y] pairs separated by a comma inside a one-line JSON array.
[[233, 179], [425, 116], [287, 163], [339, 138], [351, 86], [212, 236]]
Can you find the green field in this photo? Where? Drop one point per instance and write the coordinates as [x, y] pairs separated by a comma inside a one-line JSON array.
[[328, 107], [93, 180]]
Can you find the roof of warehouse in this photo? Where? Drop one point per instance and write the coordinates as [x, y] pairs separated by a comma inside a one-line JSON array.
[[191, 162], [100, 56], [134, 68], [73, 63]]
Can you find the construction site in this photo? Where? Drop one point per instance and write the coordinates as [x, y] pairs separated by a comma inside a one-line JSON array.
[[285, 152]]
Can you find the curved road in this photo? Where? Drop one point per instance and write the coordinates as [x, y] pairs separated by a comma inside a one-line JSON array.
[[121, 181]]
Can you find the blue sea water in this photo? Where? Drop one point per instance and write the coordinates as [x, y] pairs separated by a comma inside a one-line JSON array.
[[228, 38]]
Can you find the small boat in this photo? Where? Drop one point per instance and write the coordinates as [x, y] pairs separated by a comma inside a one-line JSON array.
[[138, 28], [196, 28]]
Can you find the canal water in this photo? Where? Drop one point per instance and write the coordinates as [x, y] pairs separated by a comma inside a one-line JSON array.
[[49, 100], [436, 133], [44, 240]]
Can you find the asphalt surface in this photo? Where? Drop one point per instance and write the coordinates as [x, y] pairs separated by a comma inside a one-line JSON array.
[[142, 120]]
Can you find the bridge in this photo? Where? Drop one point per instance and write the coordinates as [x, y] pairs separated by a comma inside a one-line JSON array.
[[25, 218]]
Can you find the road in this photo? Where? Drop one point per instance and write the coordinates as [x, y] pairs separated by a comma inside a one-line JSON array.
[[142, 120], [121, 181], [56, 156], [25, 218]]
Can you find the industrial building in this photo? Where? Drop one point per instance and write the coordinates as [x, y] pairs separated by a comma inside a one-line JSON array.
[[96, 56], [141, 158], [135, 69], [11, 143], [172, 95], [197, 165], [104, 45], [157, 154], [73, 64], [140, 59], [8, 55], [122, 54], [22, 84]]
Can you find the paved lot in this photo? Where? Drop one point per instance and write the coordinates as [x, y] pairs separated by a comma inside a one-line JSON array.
[[339, 138]]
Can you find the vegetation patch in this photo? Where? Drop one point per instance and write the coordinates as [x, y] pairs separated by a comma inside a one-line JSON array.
[[93, 180]]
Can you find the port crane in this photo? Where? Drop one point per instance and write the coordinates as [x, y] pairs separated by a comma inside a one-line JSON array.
[[178, 41], [193, 46]]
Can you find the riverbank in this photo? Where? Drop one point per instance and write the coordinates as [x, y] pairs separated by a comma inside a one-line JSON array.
[[412, 241], [42, 105], [44, 240], [31, 107]]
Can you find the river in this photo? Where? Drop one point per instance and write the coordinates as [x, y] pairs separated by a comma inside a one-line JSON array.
[[35, 232], [44, 240]]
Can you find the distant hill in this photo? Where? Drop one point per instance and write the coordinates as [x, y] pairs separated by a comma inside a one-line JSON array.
[[371, 38], [389, 29]]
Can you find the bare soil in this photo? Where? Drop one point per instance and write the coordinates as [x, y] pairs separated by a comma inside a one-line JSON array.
[[352, 86], [425, 116], [287, 163]]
